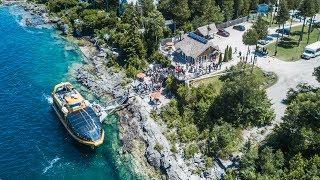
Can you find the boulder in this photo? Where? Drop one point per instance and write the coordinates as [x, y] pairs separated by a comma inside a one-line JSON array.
[[153, 157]]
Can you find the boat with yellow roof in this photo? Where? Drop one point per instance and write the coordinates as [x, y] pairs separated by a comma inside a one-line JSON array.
[[77, 115]]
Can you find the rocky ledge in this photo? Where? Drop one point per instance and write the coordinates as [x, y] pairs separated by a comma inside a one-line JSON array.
[[137, 127]]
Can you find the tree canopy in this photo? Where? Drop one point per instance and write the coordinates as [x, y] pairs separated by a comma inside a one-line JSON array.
[[250, 37], [292, 150], [243, 101]]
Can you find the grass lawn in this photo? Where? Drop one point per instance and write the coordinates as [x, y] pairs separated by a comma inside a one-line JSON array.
[[268, 79], [210, 80], [288, 49]]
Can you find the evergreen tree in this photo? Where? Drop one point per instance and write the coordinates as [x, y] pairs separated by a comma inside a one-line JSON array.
[[146, 6], [283, 14], [254, 4], [261, 27], [230, 53], [220, 59], [212, 13], [154, 25], [238, 8], [180, 11], [225, 55], [245, 8], [228, 9]]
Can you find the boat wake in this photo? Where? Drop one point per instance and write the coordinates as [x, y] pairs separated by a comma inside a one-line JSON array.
[[47, 98], [51, 163]]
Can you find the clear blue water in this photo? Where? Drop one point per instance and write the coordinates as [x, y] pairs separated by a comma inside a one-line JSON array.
[[33, 143]]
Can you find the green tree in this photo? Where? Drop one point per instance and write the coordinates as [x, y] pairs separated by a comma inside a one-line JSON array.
[[250, 38], [238, 7], [254, 4], [178, 10], [212, 13], [154, 28], [245, 8], [316, 73], [282, 15], [314, 11], [132, 16], [190, 150], [224, 140], [300, 131], [261, 27], [243, 101], [181, 13], [59, 5], [228, 9], [146, 6], [293, 5], [230, 53], [160, 58], [308, 8], [225, 55], [220, 59]]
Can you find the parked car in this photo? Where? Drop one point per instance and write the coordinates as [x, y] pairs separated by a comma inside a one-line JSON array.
[[313, 21], [261, 51], [239, 27], [297, 15], [311, 51], [263, 42], [223, 33], [284, 31]]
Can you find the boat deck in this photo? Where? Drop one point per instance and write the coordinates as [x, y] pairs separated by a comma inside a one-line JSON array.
[[85, 123]]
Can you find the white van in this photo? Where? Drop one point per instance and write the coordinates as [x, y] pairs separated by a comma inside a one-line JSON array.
[[311, 51]]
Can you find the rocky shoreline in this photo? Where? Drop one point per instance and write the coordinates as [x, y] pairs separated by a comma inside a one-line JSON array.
[[139, 133]]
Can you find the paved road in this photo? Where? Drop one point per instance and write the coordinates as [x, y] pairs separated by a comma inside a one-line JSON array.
[[290, 74]]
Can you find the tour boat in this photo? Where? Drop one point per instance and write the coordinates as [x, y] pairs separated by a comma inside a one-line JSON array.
[[77, 115]]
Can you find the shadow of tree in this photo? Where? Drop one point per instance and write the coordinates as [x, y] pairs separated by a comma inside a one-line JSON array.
[[288, 43]]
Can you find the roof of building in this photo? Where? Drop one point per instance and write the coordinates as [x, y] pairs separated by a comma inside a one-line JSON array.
[[211, 28], [191, 47]]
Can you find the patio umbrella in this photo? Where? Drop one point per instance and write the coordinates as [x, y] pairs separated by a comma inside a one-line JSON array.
[[156, 95], [141, 75], [169, 44], [179, 69]]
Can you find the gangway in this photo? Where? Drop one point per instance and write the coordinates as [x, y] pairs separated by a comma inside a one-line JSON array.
[[113, 105]]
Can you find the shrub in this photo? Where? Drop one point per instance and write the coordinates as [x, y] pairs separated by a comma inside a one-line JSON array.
[[208, 161], [188, 133], [158, 147], [174, 148], [154, 115], [190, 150], [160, 59], [58, 5]]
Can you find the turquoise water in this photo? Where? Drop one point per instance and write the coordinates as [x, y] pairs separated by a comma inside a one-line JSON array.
[[33, 143]]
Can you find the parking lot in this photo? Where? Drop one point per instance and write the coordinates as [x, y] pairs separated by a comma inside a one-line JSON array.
[[234, 40]]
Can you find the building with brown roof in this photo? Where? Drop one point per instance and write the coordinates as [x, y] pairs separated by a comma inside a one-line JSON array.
[[190, 49], [207, 31]]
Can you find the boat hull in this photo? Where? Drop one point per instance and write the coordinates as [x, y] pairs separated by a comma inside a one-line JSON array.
[[74, 136]]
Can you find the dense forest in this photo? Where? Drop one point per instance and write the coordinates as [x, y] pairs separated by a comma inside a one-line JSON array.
[[121, 26], [135, 30]]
